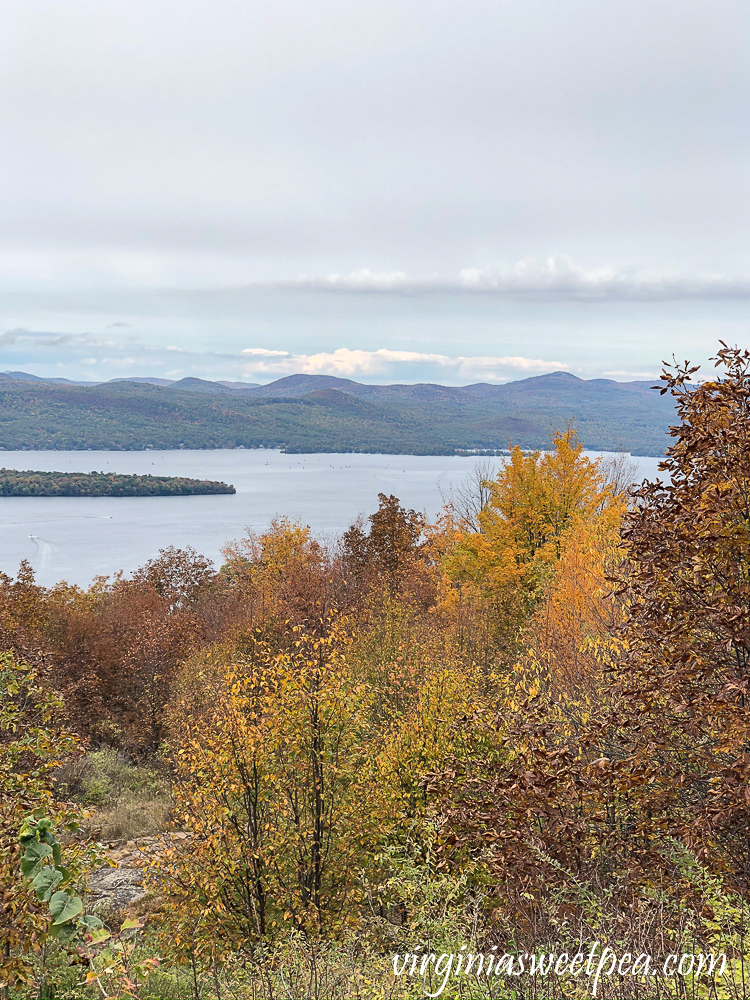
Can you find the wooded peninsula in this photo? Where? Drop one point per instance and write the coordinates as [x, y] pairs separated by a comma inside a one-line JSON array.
[[103, 484]]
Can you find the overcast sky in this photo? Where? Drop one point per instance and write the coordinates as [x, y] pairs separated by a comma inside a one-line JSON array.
[[399, 190]]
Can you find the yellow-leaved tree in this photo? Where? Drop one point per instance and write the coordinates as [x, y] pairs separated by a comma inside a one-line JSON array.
[[532, 505], [269, 750]]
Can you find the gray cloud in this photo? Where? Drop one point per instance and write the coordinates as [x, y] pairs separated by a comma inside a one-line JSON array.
[[423, 135], [36, 339], [426, 165]]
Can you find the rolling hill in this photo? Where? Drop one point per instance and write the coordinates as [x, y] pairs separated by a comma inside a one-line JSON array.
[[320, 413]]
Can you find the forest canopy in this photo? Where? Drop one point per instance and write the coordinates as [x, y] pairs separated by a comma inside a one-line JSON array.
[[520, 729], [326, 414], [103, 484]]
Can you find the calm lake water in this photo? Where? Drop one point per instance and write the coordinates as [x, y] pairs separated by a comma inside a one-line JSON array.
[[78, 538]]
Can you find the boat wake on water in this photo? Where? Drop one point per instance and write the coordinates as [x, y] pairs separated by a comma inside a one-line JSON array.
[[45, 552]]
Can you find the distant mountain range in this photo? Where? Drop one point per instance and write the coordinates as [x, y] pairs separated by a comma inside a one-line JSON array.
[[321, 413], [148, 380]]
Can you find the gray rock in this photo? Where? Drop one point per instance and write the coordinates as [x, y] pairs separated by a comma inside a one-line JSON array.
[[115, 887]]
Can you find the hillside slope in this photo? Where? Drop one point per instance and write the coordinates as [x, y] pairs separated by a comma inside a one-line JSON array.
[[317, 413]]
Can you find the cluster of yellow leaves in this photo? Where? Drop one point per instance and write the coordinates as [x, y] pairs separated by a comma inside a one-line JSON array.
[[495, 577], [534, 501], [270, 764], [437, 729], [264, 564]]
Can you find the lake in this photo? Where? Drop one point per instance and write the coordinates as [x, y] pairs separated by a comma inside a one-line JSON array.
[[78, 538]]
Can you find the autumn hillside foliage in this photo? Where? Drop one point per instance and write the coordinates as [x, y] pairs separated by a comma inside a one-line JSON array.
[[521, 727]]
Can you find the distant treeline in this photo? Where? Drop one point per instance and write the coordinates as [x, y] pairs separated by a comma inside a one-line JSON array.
[[103, 484], [314, 413]]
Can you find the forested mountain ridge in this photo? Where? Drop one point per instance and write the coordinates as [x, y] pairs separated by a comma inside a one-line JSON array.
[[319, 413]]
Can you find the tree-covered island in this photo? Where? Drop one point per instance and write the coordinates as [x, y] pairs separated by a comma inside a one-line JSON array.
[[103, 484]]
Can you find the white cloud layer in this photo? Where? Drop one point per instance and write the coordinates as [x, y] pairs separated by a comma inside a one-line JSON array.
[[557, 277], [347, 363], [87, 356], [364, 280]]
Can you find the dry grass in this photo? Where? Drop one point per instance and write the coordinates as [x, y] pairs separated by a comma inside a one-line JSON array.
[[131, 817], [126, 800]]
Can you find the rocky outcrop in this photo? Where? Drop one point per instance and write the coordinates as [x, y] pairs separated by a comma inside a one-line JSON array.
[[120, 883]]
